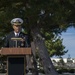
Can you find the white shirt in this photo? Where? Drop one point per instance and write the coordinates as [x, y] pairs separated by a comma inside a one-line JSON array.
[[17, 34]]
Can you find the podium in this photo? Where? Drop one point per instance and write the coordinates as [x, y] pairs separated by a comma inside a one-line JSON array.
[[16, 60]]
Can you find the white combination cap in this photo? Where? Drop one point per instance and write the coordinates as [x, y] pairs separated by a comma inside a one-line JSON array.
[[16, 21]]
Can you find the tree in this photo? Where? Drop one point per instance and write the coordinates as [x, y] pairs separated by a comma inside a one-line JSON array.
[[54, 45], [48, 15]]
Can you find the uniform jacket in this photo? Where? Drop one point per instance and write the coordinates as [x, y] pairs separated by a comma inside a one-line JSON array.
[[11, 43]]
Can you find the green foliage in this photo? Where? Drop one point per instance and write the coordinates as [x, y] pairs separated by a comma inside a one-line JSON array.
[[54, 45], [53, 16], [61, 70], [57, 13]]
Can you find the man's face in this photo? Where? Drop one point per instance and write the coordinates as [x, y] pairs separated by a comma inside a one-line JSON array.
[[17, 28]]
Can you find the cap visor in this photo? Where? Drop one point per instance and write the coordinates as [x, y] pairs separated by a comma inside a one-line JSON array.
[[16, 23]]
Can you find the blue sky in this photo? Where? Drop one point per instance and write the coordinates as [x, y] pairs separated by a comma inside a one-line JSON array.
[[69, 42]]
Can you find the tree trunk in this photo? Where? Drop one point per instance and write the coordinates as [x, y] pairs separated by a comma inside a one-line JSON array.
[[43, 53], [35, 70]]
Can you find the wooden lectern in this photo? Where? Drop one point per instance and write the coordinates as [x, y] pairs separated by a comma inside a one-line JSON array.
[[15, 60]]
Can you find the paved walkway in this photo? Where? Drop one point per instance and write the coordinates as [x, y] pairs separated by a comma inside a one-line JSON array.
[[26, 74]]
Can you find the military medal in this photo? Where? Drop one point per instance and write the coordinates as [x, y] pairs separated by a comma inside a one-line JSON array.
[[22, 44]]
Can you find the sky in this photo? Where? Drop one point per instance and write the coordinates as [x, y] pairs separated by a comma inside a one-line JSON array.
[[69, 42]]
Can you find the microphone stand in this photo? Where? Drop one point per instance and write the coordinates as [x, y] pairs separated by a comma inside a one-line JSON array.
[[16, 40]]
